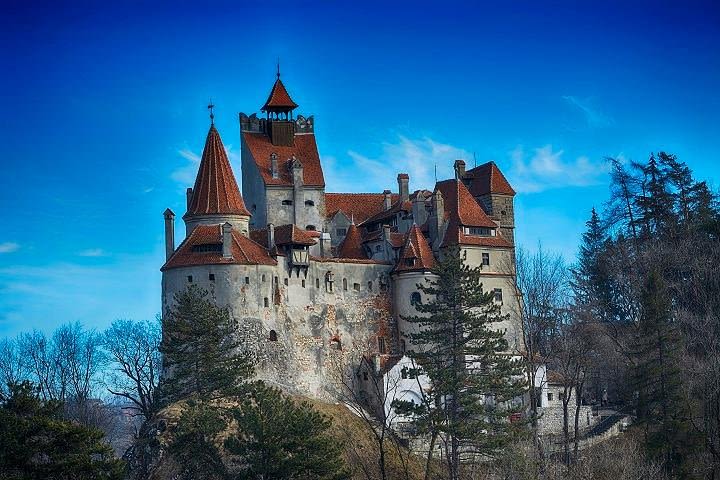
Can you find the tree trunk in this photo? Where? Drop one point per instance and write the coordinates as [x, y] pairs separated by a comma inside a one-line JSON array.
[[428, 461]]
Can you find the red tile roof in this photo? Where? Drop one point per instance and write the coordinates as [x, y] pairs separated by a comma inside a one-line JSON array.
[[279, 98], [304, 149], [416, 255], [351, 246], [215, 189], [462, 210], [244, 251], [358, 206], [488, 178], [285, 235]]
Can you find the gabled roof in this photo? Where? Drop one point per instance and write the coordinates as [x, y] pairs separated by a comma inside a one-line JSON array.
[[397, 207], [356, 206], [462, 210], [351, 246], [244, 251], [215, 190], [279, 99], [461, 206], [416, 254], [304, 149], [487, 178]]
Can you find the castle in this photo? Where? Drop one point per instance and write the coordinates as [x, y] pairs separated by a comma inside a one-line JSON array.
[[314, 276]]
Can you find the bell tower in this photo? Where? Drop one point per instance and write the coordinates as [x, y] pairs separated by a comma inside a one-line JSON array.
[[278, 108]]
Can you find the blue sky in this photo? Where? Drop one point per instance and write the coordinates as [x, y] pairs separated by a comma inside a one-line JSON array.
[[103, 117]]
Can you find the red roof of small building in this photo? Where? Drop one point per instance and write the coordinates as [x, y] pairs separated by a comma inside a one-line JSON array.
[[304, 149], [416, 254], [244, 251], [356, 206], [285, 235], [215, 190], [351, 246], [487, 178], [397, 207], [279, 98]]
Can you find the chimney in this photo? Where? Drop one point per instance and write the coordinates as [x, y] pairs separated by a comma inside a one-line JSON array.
[[271, 235], [188, 196], [227, 240], [403, 180], [418, 209], [388, 199], [459, 169], [297, 171], [325, 245], [169, 233], [274, 165]]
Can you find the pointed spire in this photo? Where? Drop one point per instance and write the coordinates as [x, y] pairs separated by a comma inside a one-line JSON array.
[[279, 100], [215, 191], [351, 246], [416, 253]]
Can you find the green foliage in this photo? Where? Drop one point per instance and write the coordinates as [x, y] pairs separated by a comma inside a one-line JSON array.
[[281, 439], [202, 353], [474, 379], [36, 443], [196, 438]]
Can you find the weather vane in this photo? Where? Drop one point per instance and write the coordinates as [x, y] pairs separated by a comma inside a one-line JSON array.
[[212, 115]]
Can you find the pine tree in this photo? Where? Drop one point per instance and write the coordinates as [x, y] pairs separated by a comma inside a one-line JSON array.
[[281, 439], [202, 354], [656, 201], [37, 443], [660, 407], [591, 283], [474, 379]]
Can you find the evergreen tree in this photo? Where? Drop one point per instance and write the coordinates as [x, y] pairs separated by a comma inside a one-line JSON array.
[[202, 355], [280, 439], [656, 201], [474, 379], [660, 407], [36, 443], [590, 282]]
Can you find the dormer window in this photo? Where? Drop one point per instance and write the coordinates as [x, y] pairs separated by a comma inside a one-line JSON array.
[[207, 248], [481, 231]]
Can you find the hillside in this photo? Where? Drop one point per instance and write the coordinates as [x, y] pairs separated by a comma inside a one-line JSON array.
[[150, 459]]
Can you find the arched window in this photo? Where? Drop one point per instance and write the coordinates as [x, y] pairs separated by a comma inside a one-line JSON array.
[[273, 336], [415, 298]]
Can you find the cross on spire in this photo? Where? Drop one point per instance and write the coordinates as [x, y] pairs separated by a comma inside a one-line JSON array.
[[212, 115]]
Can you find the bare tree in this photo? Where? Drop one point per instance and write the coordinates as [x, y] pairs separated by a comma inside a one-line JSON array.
[[133, 350], [13, 368]]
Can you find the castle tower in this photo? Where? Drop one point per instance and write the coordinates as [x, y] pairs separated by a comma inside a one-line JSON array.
[[282, 177], [215, 198], [413, 267]]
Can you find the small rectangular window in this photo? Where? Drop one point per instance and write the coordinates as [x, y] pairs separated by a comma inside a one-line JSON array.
[[365, 376], [498, 294], [266, 302], [247, 280], [381, 344], [286, 282], [211, 277], [550, 397], [356, 287], [263, 277], [189, 278], [486, 259], [303, 284], [287, 202], [317, 283], [370, 286]]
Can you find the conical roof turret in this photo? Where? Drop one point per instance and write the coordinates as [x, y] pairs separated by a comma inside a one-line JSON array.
[[215, 192]]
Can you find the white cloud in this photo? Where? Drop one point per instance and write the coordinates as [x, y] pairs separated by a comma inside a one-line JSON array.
[[593, 116], [9, 247], [546, 169], [93, 252], [416, 157], [185, 175]]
